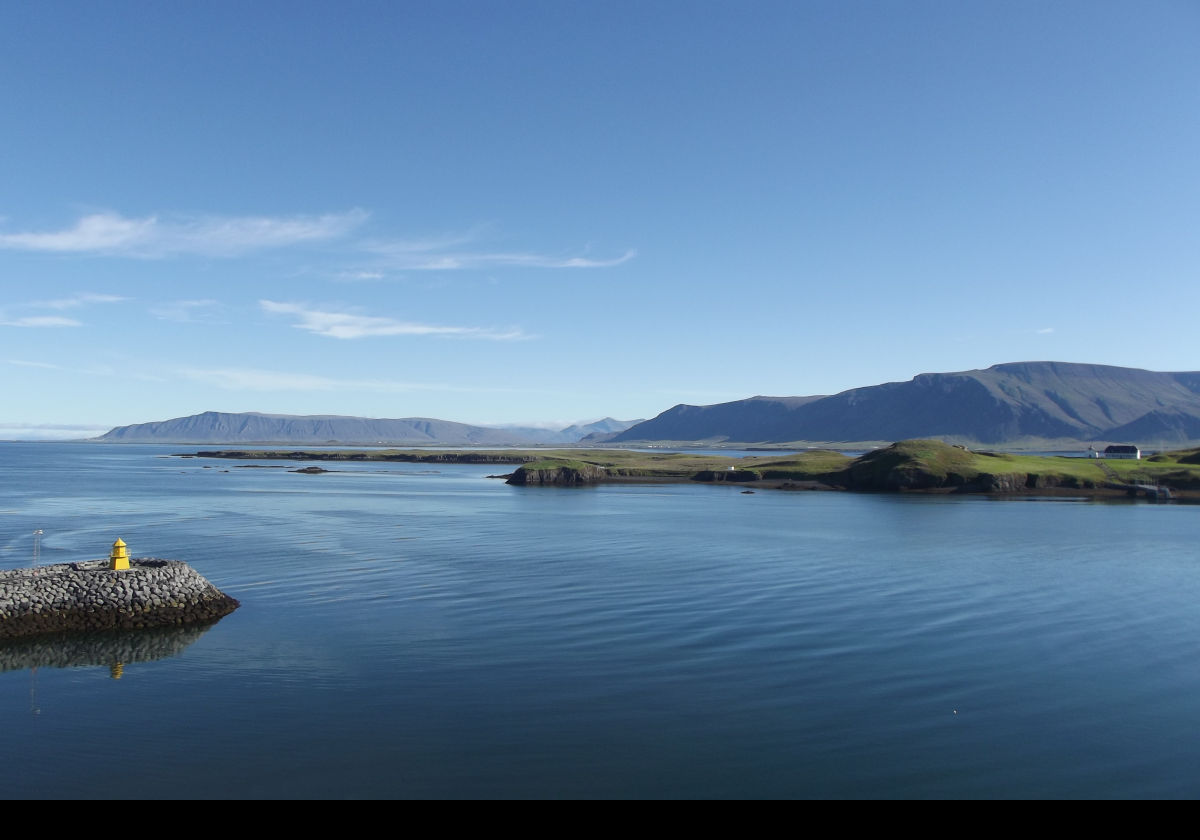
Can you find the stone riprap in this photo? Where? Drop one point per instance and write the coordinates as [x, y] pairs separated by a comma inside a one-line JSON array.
[[91, 596]]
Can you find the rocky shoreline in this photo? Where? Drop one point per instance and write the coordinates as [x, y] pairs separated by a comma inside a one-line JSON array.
[[892, 481], [907, 466], [90, 596]]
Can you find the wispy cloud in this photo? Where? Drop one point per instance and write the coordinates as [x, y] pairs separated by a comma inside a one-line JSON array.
[[253, 379], [112, 234], [59, 304], [88, 368], [76, 301], [24, 363], [216, 236], [189, 311], [460, 251], [359, 276], [40, 321], [1045, 331], [248, 379], [348, 325], [405, 256]]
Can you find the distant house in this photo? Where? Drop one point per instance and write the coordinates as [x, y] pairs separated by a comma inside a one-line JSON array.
[[1122, 450]]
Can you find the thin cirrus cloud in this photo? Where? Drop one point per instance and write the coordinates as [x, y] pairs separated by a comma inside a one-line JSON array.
[[189, 311], [59, 304], [25, 363], [348, 325], [457, 251], [249, 379], [253, 379], [84, 370], [219, 236], [360, 276], [115, 235], [444, 255], [76, 301], [40, 321]]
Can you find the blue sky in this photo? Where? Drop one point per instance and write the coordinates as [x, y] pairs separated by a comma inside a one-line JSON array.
[[551, 212]]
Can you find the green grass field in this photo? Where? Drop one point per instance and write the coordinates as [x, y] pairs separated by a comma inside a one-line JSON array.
[[915, 464]]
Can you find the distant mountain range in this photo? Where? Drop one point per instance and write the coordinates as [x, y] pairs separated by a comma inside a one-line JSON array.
[[1008, 404], [585, 432], [252, 427], [1004, 404]]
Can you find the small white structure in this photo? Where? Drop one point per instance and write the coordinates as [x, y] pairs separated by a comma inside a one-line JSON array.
[[1123, 450]]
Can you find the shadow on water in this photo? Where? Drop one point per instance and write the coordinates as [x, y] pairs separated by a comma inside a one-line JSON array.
[[112, 649]]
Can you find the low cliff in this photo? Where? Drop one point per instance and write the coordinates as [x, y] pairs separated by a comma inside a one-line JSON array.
[[727, 475], [91, 596], [569, 475]]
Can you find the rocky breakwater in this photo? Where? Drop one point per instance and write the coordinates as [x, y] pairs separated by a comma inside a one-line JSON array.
[[92, 596]]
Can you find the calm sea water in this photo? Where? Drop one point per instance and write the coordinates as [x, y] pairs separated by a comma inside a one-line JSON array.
[[412, 632]]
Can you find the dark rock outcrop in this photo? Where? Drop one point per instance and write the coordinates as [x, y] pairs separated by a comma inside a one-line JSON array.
[[726, 475], [563, 476]]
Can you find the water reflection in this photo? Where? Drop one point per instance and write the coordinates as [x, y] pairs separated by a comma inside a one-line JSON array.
[[112, 649]]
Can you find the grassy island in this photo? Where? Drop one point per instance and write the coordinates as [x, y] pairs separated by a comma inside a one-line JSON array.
[[909, 465]]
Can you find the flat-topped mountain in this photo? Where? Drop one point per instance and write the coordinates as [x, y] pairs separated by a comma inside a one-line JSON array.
[[1006, 404], [253, 427], [1003, 404]]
